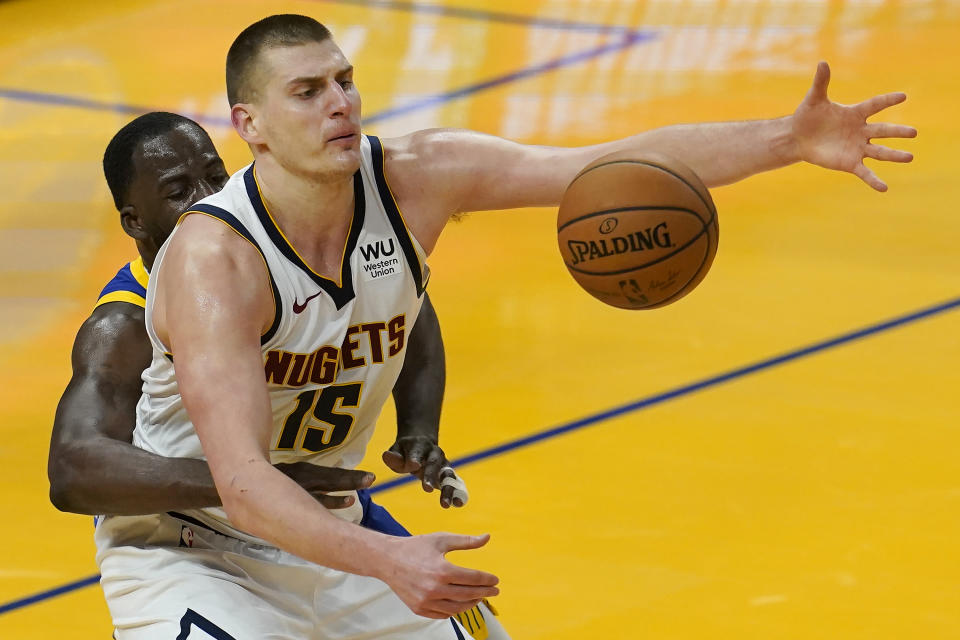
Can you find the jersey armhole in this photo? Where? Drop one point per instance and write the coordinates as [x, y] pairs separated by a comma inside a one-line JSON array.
[[231, 221]]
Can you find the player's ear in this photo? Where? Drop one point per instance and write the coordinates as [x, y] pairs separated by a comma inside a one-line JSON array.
[[132, 224], [243, 121]]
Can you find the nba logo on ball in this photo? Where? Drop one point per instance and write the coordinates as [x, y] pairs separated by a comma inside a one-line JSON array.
[[637, 230]]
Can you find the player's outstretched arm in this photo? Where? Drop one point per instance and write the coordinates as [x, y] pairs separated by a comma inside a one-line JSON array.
[[418, 396], [213, 303], [93, 467], [439, 172]]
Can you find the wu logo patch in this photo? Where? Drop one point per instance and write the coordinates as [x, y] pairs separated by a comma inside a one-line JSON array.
[[380, 259]]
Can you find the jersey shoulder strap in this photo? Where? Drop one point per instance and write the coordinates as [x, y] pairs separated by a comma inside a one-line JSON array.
[[129, 285]]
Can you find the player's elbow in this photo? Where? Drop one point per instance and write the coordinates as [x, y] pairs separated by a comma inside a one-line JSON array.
[[241, 512], [238, 504], [65, 493]]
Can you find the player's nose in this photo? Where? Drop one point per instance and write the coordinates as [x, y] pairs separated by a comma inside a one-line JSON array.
[[340, 104]]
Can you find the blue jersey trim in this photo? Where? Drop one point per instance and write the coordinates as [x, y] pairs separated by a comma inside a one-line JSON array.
[[124, 281]]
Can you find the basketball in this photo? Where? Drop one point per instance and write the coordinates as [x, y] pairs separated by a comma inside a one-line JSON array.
[[637, 230]]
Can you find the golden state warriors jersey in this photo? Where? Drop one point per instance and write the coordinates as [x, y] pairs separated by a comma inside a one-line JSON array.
[[129, 285], [336, 346]]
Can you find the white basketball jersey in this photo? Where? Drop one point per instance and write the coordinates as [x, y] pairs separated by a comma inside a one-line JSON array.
[[335, 348]]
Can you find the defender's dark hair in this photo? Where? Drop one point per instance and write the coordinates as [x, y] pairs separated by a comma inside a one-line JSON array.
[[118, 158], [283, 30]]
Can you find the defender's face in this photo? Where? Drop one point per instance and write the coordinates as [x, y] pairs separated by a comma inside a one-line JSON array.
[[308, 110], [172, 172]]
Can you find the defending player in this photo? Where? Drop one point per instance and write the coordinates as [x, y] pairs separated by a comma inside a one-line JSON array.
[[280, 269], [156, 166]]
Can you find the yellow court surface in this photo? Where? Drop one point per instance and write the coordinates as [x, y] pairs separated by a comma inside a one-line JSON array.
[[774, 456]]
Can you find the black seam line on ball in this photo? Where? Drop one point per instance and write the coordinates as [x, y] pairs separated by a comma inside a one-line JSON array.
[[625, 209], [657, 166], [689, 242]]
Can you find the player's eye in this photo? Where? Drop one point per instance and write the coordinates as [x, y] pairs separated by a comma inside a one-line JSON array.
[[346, 84], [307, 93]]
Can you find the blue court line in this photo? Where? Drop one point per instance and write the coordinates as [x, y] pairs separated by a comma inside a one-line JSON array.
[[687, 389], [484, 15], [596, 418], [45, 595], [63, 100], [628, 40]]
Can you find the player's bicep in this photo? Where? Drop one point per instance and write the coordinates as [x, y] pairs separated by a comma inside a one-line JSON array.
[[471, 171], [109, 354], [216, 301]]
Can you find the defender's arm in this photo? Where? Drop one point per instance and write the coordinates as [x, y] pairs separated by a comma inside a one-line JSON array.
[[92, 466], [418, 396]]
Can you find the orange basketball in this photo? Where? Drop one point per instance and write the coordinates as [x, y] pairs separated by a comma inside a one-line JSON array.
[[637, 230]]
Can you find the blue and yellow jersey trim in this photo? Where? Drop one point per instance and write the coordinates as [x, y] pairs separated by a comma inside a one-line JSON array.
[[129, 285]]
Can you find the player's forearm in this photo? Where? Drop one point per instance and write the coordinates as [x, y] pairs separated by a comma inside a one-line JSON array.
[[105, 476], [721, 152], [262, 501], [418, 393]]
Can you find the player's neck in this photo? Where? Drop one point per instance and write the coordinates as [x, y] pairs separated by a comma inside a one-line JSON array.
[[315, 216]]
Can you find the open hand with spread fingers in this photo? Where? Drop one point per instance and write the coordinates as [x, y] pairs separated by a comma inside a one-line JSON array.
[[838, 136]]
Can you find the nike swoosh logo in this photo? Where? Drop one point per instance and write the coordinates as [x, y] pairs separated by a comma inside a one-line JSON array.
[[298, 307]]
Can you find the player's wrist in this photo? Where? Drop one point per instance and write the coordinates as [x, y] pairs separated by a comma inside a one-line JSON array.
[[784, 142], [381, 558]]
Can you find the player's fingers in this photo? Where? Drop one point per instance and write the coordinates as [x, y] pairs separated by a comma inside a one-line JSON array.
[[331, 479], [453, 542], [417, 451], [821, 79], [432, 611], [446, 496], [448, 608], [466, 593], [450, 481], [887, 130], [868, 176], [434, 463], [878, 103], [880, 152], [334, 502], [398, 462]]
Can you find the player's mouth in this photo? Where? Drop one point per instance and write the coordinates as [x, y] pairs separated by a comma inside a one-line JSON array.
[[346, 138]]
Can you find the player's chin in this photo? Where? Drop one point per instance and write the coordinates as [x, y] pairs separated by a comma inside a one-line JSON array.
[[345, 160]]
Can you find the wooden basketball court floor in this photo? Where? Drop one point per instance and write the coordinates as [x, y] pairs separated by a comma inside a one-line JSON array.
[[774, 456]]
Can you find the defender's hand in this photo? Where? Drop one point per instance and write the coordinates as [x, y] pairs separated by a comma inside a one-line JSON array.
[[429, 584], [837, 136], [422, 456], [319, 480]]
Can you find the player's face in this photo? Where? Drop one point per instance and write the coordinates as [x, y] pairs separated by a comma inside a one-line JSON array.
[[172, 172], [308, 110]]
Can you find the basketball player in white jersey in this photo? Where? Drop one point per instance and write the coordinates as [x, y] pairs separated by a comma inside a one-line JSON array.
[[285, 301]]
